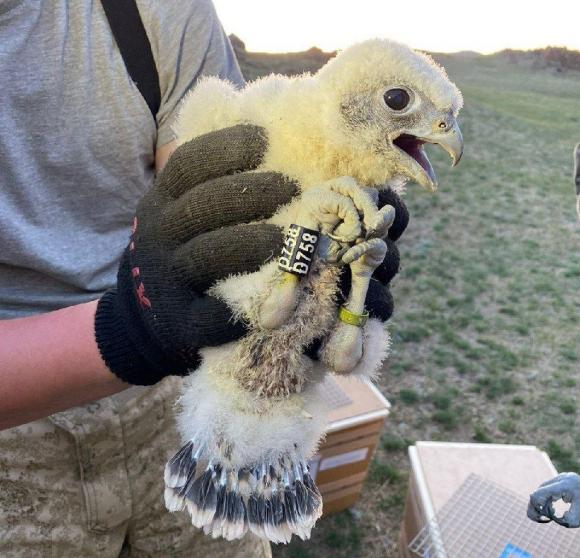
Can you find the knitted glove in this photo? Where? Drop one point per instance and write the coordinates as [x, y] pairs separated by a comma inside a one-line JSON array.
[[187, 234]]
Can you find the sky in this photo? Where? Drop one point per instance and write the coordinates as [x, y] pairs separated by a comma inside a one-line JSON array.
[[438, 25]]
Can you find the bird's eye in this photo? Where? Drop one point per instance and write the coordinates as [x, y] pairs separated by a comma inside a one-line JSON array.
[[396, 99]]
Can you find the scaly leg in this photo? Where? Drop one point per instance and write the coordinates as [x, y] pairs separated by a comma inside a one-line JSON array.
[[344, 348], [339, 202]]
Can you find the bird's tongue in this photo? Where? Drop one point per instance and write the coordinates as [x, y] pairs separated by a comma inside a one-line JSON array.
[[413, 147]]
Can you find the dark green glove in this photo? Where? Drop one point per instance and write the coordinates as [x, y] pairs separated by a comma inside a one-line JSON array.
[[189, 233], [186, 235]]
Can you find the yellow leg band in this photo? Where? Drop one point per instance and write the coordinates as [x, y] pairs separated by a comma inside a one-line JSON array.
[[289, 278], [348, 317]]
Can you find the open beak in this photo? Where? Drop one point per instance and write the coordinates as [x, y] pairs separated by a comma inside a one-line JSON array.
[[415, 159]]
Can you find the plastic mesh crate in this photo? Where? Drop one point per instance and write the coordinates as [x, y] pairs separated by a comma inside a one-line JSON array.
[[483, 520]]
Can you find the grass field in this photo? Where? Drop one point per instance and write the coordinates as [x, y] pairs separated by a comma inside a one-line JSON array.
[[487, 323]]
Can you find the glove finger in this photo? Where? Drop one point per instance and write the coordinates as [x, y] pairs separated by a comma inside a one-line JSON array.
[[226, 201], [209, 322], [204, 321], [379, 301], [390, 266], [226, 151], [389, 197], [212, 256]]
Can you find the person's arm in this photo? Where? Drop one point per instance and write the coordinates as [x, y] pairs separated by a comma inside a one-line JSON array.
[[162, 155], [49, 363], [52, 361]]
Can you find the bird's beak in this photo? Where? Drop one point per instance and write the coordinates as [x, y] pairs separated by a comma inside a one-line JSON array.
[[449, 139], [445, 133]]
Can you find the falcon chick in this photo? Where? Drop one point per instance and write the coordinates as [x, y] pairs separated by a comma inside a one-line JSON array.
[[252, 414]]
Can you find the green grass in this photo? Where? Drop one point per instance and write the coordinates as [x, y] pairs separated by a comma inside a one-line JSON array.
[[566, 459], [488, 290], [380, 473], [442, 400], [409, 396], [480, 435], [568, 407], [391, 442], [447, 418]]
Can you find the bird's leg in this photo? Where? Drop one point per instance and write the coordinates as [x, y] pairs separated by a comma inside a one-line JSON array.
[[321, 209], [277, 308], [341, 209], [344, 347]]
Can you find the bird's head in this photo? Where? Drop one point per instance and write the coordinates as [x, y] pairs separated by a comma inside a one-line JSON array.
[[388, 101]]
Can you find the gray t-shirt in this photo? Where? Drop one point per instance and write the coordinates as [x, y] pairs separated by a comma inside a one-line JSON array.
[[77, 140]]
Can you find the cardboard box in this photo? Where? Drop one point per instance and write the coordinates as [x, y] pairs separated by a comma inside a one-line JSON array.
[[438, 469], [355, 422]]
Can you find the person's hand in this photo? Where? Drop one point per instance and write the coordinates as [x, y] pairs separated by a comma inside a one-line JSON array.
[[565, 487], [188, 232]]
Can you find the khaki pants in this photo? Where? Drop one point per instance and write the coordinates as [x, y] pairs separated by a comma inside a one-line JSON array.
[[89, 482]]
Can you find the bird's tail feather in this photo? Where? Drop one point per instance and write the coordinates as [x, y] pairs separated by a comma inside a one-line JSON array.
[[243, 466], [274, 501]]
